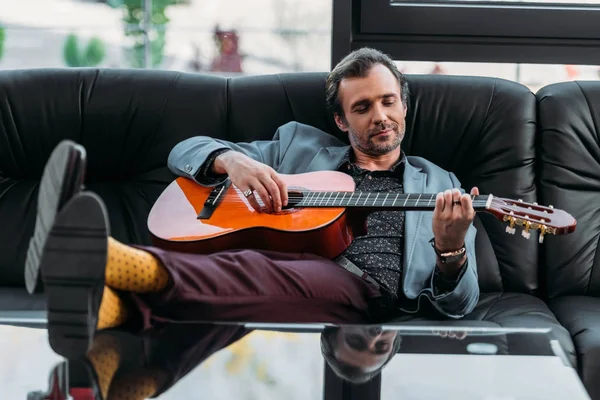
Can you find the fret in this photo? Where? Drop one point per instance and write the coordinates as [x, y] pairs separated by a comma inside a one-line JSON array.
[[419, 198], [375, 201], [394, 203], [321, 200], [336, 196], [429, 202], [342, 200], [405, 200], [368, 194], [308, 198], [330, 194], [384, 200], [358, 198]]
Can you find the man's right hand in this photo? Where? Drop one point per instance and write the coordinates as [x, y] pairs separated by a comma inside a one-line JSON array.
[[246, 173]]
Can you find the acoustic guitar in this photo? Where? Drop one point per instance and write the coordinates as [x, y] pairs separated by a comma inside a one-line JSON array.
[[323, 215]]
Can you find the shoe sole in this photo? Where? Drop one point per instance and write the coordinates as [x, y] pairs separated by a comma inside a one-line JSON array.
[[73, 265], [62, 178]]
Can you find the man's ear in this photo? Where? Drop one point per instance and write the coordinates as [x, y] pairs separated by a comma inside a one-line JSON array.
[[339, 121]]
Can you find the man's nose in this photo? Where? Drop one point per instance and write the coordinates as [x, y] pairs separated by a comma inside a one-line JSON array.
[[379, 115], [375, 331]]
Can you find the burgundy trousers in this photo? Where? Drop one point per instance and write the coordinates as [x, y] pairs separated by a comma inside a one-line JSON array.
[[256, 286]]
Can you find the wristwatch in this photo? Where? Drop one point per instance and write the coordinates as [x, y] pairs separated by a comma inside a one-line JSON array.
[[449, 256]]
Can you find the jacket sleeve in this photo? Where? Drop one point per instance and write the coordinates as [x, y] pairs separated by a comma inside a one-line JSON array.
[[191, 157], [462, 297]]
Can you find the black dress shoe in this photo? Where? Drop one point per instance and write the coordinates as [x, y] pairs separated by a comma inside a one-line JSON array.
[[62, 179], [72, 267]]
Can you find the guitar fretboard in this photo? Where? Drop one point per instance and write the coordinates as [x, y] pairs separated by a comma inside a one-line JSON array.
[[408, 201]]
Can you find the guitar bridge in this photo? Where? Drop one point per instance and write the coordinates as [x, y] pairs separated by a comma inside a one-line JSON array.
[[214, 198]]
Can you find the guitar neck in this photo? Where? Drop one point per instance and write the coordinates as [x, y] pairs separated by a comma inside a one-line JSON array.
[[387, 200]]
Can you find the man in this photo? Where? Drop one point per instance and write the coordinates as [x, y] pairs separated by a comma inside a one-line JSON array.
[[93, 282]]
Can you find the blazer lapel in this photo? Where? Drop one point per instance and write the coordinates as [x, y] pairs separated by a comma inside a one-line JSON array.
[[414, 182], [327, 158]]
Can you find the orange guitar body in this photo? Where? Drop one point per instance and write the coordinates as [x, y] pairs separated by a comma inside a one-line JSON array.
[[234, 224]]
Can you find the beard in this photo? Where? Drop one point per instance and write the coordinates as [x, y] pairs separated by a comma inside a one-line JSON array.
[[373, 145]]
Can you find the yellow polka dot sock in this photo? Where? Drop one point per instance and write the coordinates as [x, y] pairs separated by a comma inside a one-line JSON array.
[[137, 385], [104, 357], [134, 270], [113, 310]]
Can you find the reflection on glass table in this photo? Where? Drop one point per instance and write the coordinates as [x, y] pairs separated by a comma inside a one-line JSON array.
[[269, 361]]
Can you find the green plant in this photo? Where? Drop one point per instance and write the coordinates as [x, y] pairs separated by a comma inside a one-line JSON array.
[[90, 56], [2, 37], [134, 28]]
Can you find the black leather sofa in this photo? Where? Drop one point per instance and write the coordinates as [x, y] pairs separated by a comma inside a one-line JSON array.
[[569, 177], [483, 129]]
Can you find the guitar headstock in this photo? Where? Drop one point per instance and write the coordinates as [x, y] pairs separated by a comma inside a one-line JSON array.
[[531, 216]]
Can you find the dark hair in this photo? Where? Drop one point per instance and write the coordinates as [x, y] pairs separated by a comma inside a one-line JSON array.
[[358, 64], [347, 372]]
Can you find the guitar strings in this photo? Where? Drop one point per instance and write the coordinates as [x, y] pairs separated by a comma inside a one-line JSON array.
[[351, 202]]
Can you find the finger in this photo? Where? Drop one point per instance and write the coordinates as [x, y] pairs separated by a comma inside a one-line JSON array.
[[452, 334], [467, 206], [253, 202], [443, 333], [448, 203], [264, 196], [475, 191], [456, 196], [282, 188], [461, 335], [273, 190], [439, 204]]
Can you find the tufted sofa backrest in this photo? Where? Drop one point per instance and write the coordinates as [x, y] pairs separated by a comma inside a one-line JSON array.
[[569, 178]]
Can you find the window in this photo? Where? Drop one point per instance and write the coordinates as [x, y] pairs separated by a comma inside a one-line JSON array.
[[473, 31], [534, 76], [228, 37]]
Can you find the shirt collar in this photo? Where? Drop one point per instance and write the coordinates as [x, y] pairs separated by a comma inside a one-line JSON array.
[[347, 163]]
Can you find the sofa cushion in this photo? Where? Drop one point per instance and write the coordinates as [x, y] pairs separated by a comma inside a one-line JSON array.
[[507, 310], [17, 299], [581, 316], [518, 310]]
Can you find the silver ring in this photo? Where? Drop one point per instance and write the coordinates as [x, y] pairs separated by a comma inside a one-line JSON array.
[[247, 193], [456, 203]]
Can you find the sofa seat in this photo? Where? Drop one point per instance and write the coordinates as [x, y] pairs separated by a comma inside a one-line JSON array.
[[519, 310], [17, 299], [581, 316], [17, 307]]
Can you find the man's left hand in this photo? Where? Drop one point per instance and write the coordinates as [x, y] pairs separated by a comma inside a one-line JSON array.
[[452, 216]]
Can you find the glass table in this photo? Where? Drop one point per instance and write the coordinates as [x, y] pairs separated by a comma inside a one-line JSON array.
[[275, 361]]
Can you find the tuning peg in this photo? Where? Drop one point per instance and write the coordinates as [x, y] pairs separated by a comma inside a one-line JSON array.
[[511, 228], [550, 206], [525, 233], [535, 203], [521, 200], [542, 233]]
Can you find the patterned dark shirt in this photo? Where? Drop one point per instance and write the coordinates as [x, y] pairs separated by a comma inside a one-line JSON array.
[[379, 253]]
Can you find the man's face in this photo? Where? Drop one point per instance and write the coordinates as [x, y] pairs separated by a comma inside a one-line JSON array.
[[373, 110], [365, 348]]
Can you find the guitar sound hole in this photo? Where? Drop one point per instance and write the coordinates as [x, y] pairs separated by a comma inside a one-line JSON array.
[[294, 197]]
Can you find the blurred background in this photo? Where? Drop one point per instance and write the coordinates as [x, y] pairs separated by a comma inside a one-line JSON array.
[[211, 36]]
